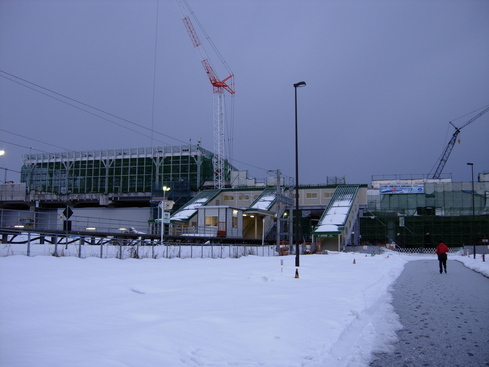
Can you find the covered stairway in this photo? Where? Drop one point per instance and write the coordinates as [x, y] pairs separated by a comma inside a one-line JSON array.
[[339, 223]]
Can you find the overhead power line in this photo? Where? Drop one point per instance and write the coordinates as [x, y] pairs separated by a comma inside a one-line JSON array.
[[77, 104], [64, 99], [23, 146], [36, 140]]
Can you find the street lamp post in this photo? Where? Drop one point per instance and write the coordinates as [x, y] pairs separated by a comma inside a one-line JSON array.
[[297, 217], [473, 208]]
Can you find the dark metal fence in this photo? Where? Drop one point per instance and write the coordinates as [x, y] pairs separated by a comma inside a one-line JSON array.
[[35, 244]]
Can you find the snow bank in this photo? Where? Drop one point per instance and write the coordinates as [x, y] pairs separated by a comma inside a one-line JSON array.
[[476, 264], [196, 312]]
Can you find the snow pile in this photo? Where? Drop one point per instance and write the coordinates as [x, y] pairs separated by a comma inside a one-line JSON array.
[[196, 312], [476, 264]]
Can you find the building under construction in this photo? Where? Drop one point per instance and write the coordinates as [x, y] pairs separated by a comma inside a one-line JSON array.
[[116, 177], [130, 184], [412, 212]]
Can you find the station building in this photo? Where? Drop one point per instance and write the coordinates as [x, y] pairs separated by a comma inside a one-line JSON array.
[[128, 185]]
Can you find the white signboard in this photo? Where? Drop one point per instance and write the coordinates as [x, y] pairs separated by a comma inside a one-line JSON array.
[[166, 204], [166, 218]]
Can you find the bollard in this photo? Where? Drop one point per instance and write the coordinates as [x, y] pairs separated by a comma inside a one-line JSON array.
[[55, 240], [80, 243], [483, 257], [29, 244]]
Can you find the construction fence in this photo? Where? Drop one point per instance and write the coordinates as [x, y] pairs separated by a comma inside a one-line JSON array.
[[423, 231]]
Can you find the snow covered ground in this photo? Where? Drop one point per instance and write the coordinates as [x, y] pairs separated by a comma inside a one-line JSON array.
[[251, 311]]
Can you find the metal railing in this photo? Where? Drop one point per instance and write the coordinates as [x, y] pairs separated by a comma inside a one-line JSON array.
[[34, 244]]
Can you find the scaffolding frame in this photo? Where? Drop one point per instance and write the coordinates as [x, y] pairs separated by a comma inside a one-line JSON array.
[[132, 170], [442, 212]]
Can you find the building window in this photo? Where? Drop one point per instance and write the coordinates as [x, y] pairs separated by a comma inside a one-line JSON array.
[[228, 197], [244, 197], [312, 195], [327, 194], [211, 221]]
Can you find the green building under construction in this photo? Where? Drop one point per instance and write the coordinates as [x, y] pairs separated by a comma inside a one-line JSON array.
[[132, 170], [422, 212]]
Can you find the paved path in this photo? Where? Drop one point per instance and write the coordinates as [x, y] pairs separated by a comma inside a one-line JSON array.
[[445, 317]]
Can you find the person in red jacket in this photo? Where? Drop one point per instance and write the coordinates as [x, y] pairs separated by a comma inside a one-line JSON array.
[[441, 251]]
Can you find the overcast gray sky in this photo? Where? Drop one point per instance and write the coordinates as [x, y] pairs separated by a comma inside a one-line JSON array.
[[384, 78]]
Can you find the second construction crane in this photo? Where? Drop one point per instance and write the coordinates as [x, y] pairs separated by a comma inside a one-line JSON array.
[[451, 143], [219, 86]]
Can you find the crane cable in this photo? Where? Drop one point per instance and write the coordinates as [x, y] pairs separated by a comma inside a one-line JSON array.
[[437, 163], [229, 121], [208, 38]]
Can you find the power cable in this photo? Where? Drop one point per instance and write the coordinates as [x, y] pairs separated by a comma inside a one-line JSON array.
[[23, 146], [26, 83], [154, 71], [36, 140], [85, 105]]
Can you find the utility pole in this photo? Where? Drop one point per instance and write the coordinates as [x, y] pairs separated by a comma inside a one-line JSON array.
[[472, 232], [278, 201]]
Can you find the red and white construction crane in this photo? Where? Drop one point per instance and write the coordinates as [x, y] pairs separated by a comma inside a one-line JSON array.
[[219, 86]]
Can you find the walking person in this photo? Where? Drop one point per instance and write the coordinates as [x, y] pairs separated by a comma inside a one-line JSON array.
[[441, 251]]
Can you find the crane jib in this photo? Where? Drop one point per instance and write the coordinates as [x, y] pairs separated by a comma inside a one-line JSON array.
[[451, 143]]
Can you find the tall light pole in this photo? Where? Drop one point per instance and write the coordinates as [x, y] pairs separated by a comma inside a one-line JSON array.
[[297, 217], [473, 207]]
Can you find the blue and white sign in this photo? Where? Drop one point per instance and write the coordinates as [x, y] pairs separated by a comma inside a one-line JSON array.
[[401, 189]]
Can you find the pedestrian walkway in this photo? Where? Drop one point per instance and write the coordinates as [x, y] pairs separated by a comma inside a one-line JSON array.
[[445, 317]]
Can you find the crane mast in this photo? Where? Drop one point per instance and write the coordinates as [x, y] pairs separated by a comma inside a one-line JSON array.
[[219, 86], [451, 143]]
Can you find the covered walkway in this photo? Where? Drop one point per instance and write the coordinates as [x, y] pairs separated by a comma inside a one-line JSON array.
[[339, 225]]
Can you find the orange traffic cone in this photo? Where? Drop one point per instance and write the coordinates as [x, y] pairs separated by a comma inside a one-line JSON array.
[[297, 273]]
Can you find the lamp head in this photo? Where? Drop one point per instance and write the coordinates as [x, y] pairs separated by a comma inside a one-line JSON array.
[[300, 84], [470, 164]]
